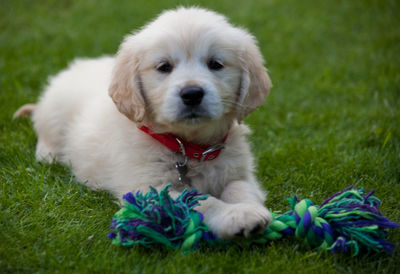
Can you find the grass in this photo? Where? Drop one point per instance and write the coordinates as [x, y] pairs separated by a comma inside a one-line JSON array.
[[332, 120]]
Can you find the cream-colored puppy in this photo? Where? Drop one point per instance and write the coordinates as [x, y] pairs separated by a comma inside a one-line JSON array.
[[190, 74]]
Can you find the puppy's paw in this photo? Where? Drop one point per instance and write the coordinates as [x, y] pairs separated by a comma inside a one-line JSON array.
[[241, 219]]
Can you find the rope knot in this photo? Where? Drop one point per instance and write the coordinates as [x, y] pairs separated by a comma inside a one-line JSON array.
[[315, 230]]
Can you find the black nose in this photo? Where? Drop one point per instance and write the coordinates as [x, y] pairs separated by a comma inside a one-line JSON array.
[[192, 96]]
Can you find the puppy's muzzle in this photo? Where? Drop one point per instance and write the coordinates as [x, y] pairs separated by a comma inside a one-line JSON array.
[[192, 96]]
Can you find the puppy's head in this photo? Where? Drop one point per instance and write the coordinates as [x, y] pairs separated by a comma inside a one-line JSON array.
[[188, 69]]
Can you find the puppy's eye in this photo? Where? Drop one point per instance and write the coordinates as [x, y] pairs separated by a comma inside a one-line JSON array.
[[215, 64], [164, 67]]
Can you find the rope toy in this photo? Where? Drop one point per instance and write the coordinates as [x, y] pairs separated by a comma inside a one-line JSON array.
[[347, 221]]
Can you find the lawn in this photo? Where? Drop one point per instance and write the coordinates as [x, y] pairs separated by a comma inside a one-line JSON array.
[[331, 120]]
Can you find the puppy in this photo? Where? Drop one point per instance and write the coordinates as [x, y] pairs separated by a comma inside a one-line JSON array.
[[166, 109]]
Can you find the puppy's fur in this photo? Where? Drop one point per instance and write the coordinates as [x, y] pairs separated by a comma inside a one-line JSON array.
[[88, 116]]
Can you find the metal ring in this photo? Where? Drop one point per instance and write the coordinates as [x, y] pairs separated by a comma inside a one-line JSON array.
[[183, 151]]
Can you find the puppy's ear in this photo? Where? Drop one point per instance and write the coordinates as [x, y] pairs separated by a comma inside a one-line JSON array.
[[255, 82], [125, 87]]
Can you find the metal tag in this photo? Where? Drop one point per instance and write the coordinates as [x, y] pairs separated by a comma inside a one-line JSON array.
[[182, 170]]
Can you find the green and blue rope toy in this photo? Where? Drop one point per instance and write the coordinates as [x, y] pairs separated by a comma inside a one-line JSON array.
[[349, 220]]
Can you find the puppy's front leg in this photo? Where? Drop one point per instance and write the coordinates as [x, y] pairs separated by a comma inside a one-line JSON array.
[[239, 212]]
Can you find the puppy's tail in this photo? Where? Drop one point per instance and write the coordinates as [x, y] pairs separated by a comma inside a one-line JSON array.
[[25, 110]]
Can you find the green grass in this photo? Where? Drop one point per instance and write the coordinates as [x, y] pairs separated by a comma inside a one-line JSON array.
[[332, 120]]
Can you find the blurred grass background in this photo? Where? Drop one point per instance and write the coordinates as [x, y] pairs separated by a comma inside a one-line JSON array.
[[331, 120]]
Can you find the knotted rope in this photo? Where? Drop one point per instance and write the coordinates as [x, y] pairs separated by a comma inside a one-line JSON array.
[[348, 221], [156, 218]]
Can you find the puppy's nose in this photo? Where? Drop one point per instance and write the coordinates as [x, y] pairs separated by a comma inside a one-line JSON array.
[[192, 96]]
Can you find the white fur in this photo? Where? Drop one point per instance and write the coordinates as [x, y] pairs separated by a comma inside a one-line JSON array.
[[78, 124]]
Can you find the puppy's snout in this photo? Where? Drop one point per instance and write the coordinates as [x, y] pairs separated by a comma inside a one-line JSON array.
[[192, 96]]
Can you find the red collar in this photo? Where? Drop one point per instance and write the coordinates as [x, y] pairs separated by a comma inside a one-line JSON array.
[[195, 151]]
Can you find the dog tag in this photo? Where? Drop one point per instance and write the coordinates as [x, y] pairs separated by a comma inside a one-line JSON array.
[[182, 171]]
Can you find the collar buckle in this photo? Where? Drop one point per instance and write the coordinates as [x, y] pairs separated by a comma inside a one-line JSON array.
[[211, 150]]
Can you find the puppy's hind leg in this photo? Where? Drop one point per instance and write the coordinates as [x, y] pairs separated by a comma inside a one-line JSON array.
[[45, 152]]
